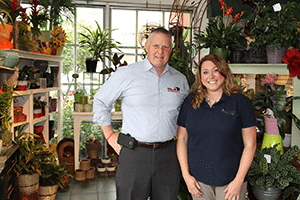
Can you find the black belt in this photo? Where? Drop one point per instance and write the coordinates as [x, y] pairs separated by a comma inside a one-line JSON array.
[[154, 145]]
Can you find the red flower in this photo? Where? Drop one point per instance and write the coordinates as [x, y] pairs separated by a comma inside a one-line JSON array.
[[1, 91], [15, 6], [229, 11], [292, 58]]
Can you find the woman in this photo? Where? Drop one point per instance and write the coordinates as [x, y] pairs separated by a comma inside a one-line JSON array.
[[216, 134]]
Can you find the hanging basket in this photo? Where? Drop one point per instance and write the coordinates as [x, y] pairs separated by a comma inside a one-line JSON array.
[[48, 192]]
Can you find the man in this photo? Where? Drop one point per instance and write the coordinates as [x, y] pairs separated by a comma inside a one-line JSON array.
[[151, 93]]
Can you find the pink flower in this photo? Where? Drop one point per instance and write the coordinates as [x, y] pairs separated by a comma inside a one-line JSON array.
[[270, 80]]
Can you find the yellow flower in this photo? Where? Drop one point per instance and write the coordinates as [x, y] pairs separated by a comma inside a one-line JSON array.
[[59, 37]]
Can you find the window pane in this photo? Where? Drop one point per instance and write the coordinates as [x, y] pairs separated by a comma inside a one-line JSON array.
[[125, 27]]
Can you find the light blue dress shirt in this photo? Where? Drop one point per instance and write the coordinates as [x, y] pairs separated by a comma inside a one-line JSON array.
[[149, 103]]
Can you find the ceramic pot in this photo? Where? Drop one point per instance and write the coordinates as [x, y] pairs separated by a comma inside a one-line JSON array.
[[8, 59], [91, 65], [286, 142], [270, 194], [272, 136], [236, 56], [223, 53], [42, 65], [274, 56], [22, 85]]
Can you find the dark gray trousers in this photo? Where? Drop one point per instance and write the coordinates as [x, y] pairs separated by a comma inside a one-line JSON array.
[[144, 172]]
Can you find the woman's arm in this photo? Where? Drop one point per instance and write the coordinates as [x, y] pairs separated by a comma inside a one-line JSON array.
[[249, 138], [191, 182]]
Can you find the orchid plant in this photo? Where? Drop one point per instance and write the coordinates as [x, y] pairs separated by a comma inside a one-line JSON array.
[[221, 31]]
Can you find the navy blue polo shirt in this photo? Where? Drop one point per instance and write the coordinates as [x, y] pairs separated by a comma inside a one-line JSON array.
[[215, 142]]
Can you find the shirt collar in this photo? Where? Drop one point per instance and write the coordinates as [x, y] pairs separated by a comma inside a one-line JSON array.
[[148, 66], [224, 98]]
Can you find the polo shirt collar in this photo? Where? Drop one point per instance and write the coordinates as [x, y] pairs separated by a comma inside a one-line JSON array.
[[224, 98]]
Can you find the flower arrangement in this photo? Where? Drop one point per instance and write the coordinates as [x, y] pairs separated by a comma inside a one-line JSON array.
[[37, 18], [221, 31], [59, 37]]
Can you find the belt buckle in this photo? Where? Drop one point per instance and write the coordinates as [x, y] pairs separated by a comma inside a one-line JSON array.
[[154, 145]]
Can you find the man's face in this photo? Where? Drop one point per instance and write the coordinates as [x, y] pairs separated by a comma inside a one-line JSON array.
[[158, 48]]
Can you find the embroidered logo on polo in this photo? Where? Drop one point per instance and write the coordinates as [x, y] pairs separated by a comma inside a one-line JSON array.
[[228, 112], [175, 90]]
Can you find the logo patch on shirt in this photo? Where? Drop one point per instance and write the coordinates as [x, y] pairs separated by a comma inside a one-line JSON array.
[[228, 112], [176, 90]]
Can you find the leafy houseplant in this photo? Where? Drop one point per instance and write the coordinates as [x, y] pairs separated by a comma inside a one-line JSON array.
[[57, 9], [98, 43], [6, 97], [270, 169], [276, 28], [274, 98], [3, 9], [221, 31], [52, 172]]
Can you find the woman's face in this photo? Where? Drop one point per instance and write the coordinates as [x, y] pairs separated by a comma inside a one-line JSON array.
[[211, 77]]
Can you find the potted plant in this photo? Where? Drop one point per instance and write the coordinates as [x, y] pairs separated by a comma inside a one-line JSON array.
[[53, 175], [92, 148], [276, 28], [26, 74], [220, 32], [274, 98], [98, 44], [27, 167], [270, 173], [57, 9]]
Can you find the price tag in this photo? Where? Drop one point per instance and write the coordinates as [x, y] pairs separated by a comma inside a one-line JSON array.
[[42, 98], [268, 157], [277, 7]]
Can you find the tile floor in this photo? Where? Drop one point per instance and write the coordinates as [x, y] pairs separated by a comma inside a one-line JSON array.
[[100, 188]]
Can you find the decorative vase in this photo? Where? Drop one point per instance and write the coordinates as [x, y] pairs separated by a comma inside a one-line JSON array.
[[223, 53], [272, 136], [274, 56], [270, 194]]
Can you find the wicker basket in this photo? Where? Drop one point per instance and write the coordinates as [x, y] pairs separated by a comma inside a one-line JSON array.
[[28, 184], [85, 164], [80, 175], [48, 192], [90, 174]]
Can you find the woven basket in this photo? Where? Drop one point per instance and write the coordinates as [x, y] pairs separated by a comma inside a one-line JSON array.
[[48, 192], [80, 175], [90, 174], [85, 164], [28, 184], [92, 148]]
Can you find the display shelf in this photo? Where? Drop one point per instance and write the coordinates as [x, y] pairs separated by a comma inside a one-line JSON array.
[[274, 69], [25, 98]]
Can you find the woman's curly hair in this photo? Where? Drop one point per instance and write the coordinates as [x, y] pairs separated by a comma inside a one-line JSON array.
[[199, 91]]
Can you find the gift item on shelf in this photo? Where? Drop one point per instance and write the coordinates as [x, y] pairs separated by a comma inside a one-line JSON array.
[[19, 116]]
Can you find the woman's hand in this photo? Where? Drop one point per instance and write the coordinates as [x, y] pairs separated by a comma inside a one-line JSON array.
[[233, 190], [193, 186]]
